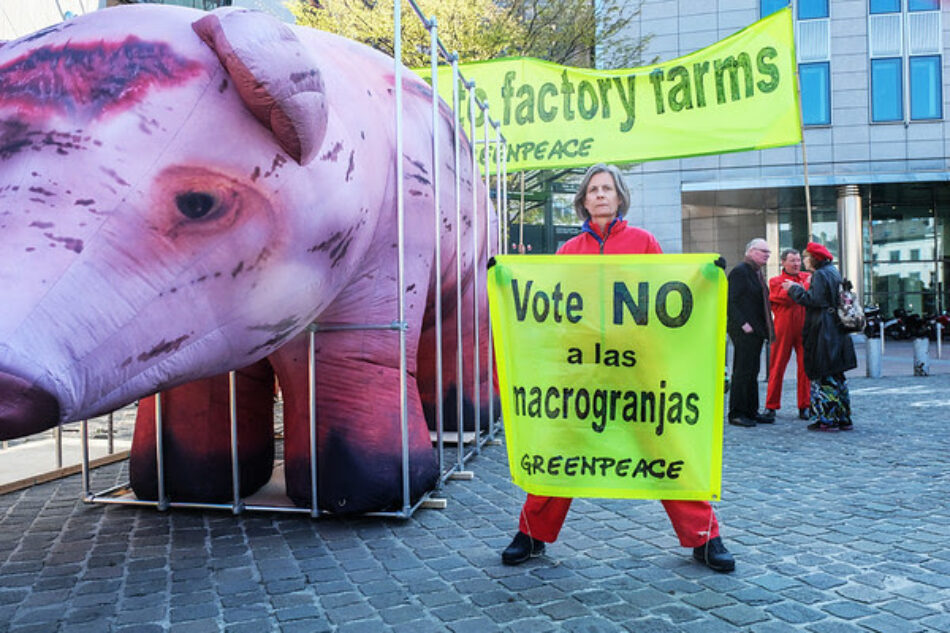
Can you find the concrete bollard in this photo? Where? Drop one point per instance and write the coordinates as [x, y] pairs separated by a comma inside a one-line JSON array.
[[921, 362], [873, 357]]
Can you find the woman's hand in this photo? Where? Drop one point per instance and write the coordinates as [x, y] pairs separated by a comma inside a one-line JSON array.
[[788, 283]]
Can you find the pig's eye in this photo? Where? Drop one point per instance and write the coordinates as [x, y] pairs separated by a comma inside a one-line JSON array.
[[195, 204]]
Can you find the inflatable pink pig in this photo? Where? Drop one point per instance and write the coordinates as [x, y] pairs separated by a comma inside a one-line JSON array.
[[181, 194]]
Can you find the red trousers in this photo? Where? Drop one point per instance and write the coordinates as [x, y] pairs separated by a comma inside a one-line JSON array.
[[786, 339], [694, 521]]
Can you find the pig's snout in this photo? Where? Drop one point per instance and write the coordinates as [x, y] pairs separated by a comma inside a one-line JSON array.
[[24, 408]]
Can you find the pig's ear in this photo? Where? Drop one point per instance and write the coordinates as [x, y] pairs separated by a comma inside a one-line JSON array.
[[274, 73]]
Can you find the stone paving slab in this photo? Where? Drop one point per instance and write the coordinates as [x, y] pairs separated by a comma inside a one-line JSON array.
[[832, 533]]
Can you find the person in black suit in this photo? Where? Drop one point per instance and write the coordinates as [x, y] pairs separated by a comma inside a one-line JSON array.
[[749, 325]]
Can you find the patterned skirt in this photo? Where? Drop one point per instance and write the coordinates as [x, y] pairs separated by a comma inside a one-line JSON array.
[[830, 401]]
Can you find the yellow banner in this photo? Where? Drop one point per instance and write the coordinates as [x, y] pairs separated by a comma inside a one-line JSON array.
[[737, 94], [610, 371]]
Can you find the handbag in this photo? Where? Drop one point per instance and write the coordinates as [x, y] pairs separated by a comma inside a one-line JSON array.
[[848, 309]]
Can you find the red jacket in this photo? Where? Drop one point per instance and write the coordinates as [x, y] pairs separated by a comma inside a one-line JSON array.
[[620, 239], [789, 316]]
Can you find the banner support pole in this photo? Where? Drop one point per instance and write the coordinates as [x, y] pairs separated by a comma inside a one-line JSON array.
[[801, 125], [521, 248]]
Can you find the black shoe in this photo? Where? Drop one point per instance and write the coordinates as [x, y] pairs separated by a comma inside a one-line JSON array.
[[804, 414], [846, 427], [715, 556], [821, 426], [741, 420], [766, 418], [521, 549]]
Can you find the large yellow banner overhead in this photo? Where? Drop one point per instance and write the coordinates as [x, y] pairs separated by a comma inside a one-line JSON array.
[[737, 94], [610, 371]]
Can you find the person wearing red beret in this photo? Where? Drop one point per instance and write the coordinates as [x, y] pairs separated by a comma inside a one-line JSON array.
[[829, 351]]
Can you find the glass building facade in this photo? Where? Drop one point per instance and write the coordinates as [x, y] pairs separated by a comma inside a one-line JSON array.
[[873, 92]]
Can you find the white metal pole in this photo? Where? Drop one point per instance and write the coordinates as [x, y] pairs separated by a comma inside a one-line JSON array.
[[437, 219], [160, 453], [401, 254], [312, 383], [459, 366], [84, 431], [476, 413], [235, 466]]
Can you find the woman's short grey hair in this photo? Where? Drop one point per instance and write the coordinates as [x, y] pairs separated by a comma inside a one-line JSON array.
[[622, 192]]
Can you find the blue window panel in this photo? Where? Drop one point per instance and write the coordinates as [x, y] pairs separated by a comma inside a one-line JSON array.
[[810, 9], [886, 6], [923, 5], [816, 93], [925, 88], [768, 7], [887, 96]]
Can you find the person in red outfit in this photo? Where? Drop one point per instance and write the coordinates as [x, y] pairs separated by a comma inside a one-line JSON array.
[[789, 319], [601, 200]]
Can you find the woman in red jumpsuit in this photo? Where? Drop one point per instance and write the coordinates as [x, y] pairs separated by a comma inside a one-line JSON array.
[[601, 201]]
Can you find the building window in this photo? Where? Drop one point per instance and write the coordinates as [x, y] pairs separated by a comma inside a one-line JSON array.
[[894, 256], [813, 47], [768, 7], [815, 79], [812, 9], [887, 97], [923, 5], [904, 41], [885, 6], [925, 88]]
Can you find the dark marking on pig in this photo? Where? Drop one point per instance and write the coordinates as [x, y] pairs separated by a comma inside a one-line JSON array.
[[417, 164], [352, 165], [42, 225], [91, 79], [410, 287], [362, 135], [144, 124], [224, 85], [237, 270], [282, 330], [325, 244], [71, 243], [126, 362], [165, 347], [302, 76], [39, 34], [339, 251], [333, 152], [256, 174], [13, 138], [279, 161], [115, 176], [415, 193], [41, 191], [84, 202]]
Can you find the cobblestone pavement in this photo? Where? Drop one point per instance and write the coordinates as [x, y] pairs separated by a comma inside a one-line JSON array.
[[831, 532]]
